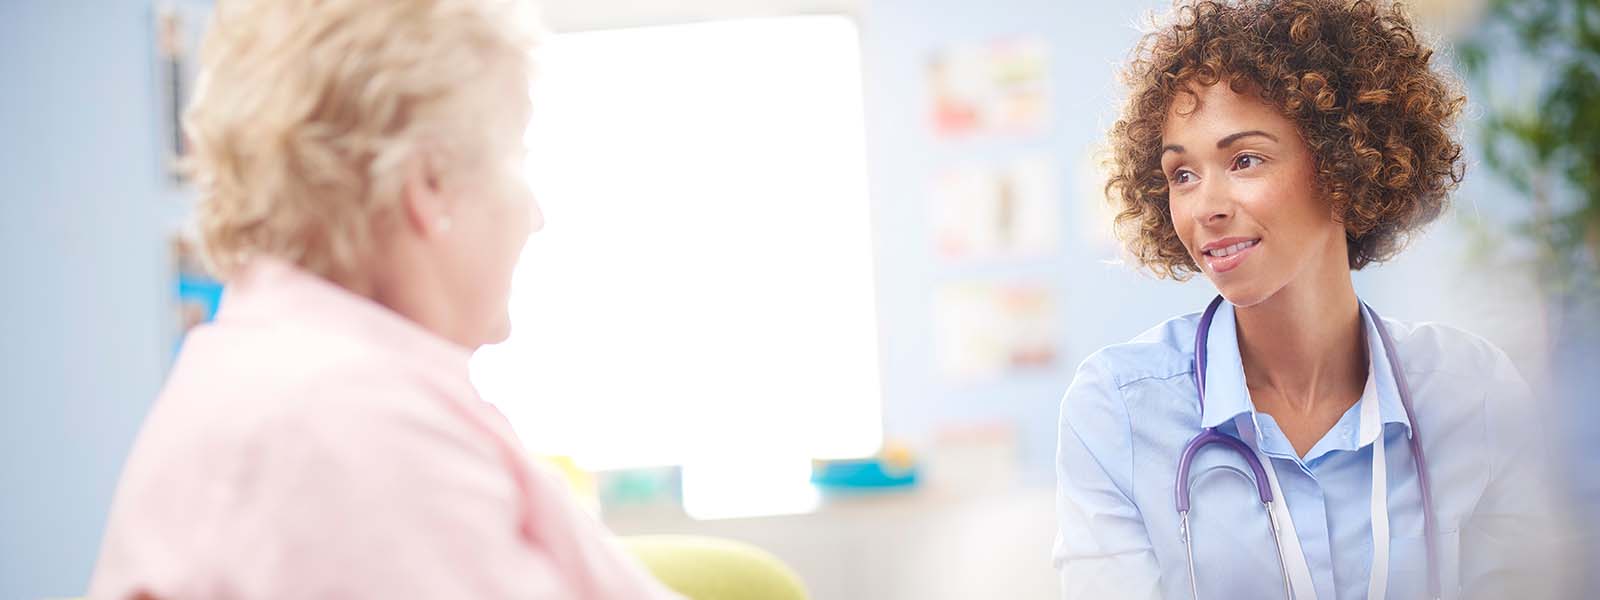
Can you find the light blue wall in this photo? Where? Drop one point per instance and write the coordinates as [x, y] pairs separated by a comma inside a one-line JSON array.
[[85, 305], [1100, 303]]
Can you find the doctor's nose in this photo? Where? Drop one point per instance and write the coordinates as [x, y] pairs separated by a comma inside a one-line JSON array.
[[1214, 204]]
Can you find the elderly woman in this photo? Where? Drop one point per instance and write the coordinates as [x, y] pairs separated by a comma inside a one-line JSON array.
[[362, 171]]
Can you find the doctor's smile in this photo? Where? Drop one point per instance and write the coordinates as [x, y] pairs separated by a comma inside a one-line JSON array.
[[1224, 255]]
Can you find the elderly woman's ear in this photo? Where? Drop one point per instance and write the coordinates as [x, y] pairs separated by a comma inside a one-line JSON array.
[[425, 204]]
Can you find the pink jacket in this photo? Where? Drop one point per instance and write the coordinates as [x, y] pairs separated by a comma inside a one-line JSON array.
[[312, 444]]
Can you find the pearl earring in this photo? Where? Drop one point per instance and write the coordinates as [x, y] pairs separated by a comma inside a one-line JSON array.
[[443, 224]]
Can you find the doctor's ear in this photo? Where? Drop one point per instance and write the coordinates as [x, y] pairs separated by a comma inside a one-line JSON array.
[[425, 202]]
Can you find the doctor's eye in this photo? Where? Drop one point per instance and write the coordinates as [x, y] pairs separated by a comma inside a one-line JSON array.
[[1180, 177], [1246, 161]]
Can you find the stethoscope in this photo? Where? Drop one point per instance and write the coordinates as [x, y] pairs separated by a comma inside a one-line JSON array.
[[1266, 481]]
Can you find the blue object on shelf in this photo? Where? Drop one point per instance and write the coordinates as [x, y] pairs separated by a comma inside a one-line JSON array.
[[202, 290], [199, 296], [868, 474]]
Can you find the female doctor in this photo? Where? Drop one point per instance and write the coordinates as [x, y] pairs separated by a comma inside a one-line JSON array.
[[1287, 441]]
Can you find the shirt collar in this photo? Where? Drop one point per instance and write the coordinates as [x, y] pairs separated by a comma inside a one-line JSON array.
[[1227, 396], [1226, 393]]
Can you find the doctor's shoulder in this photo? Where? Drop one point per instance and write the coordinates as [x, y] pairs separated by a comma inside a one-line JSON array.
[[1466, 390], [1160, 355], [1429, 349]]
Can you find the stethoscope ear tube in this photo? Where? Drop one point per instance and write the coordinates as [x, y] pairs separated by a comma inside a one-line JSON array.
[[1209, 436], [1272, 528], [1283, 563]]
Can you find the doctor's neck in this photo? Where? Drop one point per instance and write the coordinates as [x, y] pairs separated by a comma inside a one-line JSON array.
[[1304, 348]]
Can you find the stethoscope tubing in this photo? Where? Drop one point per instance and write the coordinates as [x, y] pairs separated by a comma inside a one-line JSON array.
[[1209, 436]]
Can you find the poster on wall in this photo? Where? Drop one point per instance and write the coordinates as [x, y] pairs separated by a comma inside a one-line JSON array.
[[988, 212], [998, 87], [983, 330], [178, 28]]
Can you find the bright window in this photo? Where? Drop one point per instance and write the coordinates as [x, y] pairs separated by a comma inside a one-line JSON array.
[[702, 292]]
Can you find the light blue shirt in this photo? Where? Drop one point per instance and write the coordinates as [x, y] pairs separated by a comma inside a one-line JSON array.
[[1132, 408]]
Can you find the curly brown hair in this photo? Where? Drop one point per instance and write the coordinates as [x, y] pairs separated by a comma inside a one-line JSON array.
[[1353, 76]]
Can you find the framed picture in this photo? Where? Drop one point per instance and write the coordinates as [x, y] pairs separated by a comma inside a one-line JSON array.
[[177, 29], [983, 330], [998, 87], [997, 212]]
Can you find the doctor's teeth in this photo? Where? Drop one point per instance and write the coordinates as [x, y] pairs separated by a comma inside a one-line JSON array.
[[1231, 250]]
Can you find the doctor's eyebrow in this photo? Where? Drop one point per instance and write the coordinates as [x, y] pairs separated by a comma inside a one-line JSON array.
[[1226, 141], [1230, 139]]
